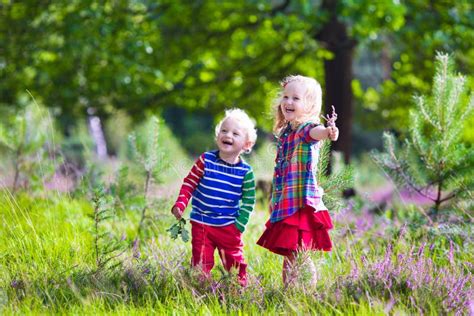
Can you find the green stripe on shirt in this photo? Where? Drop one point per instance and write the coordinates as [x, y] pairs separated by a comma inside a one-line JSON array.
[[248, 201]]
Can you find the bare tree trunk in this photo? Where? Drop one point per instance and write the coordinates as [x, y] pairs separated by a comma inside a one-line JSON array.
[[338, 77], [97, 133]]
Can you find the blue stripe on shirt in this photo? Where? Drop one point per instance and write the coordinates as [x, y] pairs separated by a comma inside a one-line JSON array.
[[217, 197]]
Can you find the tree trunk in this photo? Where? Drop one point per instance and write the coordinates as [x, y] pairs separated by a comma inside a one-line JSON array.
[[97, 134], [338, 77]]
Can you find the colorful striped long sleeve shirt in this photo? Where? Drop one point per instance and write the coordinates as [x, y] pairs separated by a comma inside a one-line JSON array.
[[222, 193]]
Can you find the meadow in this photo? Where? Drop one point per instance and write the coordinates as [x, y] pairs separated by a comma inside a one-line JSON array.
[[90, 250], [105, 105]]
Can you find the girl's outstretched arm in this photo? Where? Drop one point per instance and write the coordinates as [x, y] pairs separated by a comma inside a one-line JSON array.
[[321, 132], [189, 185]]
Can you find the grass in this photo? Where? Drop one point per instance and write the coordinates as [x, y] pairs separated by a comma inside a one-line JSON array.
[[393, 262], [47, 266]]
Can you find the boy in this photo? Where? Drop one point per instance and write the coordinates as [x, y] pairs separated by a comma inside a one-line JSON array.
[[223, 189]]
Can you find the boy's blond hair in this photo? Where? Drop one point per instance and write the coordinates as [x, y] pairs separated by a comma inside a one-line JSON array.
[[244, 119], [312, 102]]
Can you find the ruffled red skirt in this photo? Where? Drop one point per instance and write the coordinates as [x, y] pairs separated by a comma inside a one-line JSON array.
[[304, 230]]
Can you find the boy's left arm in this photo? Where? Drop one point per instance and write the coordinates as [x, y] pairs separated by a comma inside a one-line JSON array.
[[248, 201]]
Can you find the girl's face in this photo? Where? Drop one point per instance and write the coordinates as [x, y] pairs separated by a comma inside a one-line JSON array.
[[292, 104], [232, 137]]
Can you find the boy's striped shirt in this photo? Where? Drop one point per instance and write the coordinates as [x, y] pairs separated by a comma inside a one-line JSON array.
[[222, 193]]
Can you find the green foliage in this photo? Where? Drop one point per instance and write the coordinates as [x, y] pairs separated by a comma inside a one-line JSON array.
[[80, 156], [368, 18], [117, 137], [407, 58], [195, 55], [179, 228], [78, 147], [434, 161], [334, 184], [176, 162], [211, 55], [28, 138], [47, 256], [126, 194], [147, 150], [107, 247], [150, 156]]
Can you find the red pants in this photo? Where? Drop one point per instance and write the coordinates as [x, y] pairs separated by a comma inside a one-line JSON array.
[[227, 240]]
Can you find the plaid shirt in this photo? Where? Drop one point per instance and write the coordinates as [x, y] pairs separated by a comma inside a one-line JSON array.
[[295, 177]]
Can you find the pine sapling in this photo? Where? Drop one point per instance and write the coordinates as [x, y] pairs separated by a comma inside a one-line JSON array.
[[106, 246], [433, 160], [150, 157], [338, 181], [28, 137]]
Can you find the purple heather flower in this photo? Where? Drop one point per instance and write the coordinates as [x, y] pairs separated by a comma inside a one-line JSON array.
[[432, 247], [451, 252], [389, 305], [470, 304], [136, 249], [421, 249]]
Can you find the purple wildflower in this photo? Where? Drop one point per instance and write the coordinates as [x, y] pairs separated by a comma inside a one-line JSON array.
[[136, 249], [451, 252]]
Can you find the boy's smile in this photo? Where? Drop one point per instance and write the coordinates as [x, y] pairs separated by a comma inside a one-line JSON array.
[[227, 142], [232, 138]]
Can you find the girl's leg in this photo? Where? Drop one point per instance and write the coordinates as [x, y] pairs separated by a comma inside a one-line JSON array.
[[288, 268], [298, 267]]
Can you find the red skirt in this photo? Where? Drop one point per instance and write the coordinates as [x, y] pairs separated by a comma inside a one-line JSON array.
[[304, 230]]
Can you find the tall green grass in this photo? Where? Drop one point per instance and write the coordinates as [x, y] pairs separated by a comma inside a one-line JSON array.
[[47, 266], [394, 263]]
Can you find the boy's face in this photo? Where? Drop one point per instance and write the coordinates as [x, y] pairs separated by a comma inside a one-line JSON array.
[[232, 137], [292, 103]]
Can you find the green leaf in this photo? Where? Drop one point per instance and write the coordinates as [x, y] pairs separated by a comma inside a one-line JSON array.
[[179, 228]]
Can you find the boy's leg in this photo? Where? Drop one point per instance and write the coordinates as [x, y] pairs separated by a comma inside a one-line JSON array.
[[202, 248], [229, 243]]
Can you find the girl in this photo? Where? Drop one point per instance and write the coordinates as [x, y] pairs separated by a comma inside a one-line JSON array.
[[299, 220], [222, 188]]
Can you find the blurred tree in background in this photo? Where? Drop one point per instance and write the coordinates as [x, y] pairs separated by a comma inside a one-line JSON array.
[[407, 59], [148, 56]]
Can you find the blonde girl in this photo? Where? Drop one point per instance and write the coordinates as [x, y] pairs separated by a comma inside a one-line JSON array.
[[299, 220]]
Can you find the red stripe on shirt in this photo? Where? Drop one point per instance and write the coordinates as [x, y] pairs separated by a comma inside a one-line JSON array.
[[190, 183]]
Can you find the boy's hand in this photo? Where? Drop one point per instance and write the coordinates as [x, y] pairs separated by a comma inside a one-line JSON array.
[[176, 212], [333, 133]]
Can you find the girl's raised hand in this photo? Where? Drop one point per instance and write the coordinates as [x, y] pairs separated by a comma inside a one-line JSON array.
[[333, 133], [331, 119]]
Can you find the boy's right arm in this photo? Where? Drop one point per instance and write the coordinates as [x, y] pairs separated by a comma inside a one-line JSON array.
[[189, 185]]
